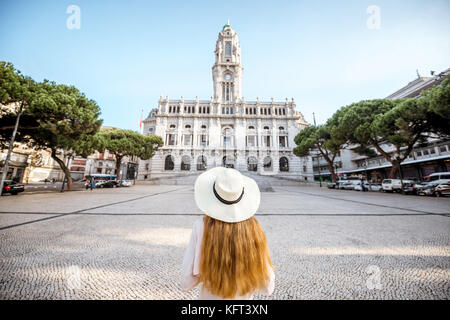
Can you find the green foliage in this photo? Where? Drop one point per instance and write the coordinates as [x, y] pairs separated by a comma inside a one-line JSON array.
[[55, 117], [127, 143]]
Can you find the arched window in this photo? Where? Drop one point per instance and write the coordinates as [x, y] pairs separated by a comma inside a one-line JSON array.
[[201, 163], [228, 161], [227, 136], [281, 128], [203, 126], [252, 164], [266, 128], [188, 126], [172, 126], [284, 164], [168, 163], [251, 128], [185, 163], [267, 164]]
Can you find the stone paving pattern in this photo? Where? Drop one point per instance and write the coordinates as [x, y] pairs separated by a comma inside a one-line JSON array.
[[128, 243]]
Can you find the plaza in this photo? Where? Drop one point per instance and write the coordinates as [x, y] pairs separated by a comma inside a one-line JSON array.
[[128, 243]]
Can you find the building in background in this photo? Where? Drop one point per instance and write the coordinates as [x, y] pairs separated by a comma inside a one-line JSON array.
[[255, 136], [434, 157]]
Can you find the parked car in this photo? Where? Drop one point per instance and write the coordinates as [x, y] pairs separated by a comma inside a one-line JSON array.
[[99, 183], [123, 183], [391, 185], [348, 186], [340, 184], [369, 187], [438, 178], [442, 189], [409, 188], [426, 189], [109, 184], [12, 187], [331, 185]]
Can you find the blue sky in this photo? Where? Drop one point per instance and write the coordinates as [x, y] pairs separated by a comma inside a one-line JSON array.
[[128, 53]]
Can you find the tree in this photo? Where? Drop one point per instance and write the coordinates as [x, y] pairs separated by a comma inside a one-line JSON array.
[[325, 138], [123, 143], [402, 123], [15, 94], [57, 118]]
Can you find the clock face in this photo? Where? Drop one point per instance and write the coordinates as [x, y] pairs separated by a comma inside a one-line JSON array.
[[228, 77]]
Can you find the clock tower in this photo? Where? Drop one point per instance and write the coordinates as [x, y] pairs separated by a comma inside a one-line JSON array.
[[227, 70]]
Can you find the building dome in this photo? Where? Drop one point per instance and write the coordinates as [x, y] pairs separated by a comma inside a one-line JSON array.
[[227, 26]]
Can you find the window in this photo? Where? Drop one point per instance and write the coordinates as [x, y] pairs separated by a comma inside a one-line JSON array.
[[203, 140], [185, 163], [168, 163], [171, 139], [188, 126], [203, 126], [201, 163], [151, 130], [267, 164], [443, 148], [251, 128], [281, 128], [425, 152], [252, 164], [419, 153], [282, 142], [228, 162], [187, 139], [228, 49], [251, 141], [266, 141], [146, 167], [284, 164], [172, 126], [266, 128], [432, 151], [99, 170]]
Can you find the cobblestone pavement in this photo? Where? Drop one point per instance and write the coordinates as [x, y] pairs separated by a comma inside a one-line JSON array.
[[128, 243]]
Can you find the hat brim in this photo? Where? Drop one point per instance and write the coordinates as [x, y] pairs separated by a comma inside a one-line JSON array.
[[211, 206]]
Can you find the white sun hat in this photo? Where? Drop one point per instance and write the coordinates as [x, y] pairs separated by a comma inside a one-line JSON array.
[[227, 195]]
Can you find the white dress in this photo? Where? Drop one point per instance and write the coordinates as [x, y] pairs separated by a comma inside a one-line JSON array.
[[190, 268]]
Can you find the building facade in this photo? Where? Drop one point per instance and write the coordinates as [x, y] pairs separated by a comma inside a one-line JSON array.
[[226, 130]]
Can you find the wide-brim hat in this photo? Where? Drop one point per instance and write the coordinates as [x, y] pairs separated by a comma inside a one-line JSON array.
[[227, 195]]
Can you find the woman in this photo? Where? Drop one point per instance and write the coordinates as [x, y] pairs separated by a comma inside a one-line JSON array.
[[227, 251]]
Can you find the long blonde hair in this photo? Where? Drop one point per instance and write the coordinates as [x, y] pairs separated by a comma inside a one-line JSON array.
[[234, 257]]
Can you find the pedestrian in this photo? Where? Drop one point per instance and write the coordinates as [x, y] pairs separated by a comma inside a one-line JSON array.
[[227, 253], [363, 187], [92, 184]]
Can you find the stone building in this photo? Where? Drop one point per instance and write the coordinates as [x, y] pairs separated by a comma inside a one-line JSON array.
[[226, 130]]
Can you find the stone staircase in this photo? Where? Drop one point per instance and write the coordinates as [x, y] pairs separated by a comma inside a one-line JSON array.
[[265, 182]]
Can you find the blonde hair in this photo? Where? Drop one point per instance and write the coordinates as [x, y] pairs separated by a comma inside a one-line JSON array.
[[234, 257]]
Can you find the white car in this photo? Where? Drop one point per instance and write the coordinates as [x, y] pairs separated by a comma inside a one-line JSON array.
[[391, 185], [124, 183], [372, 187]]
